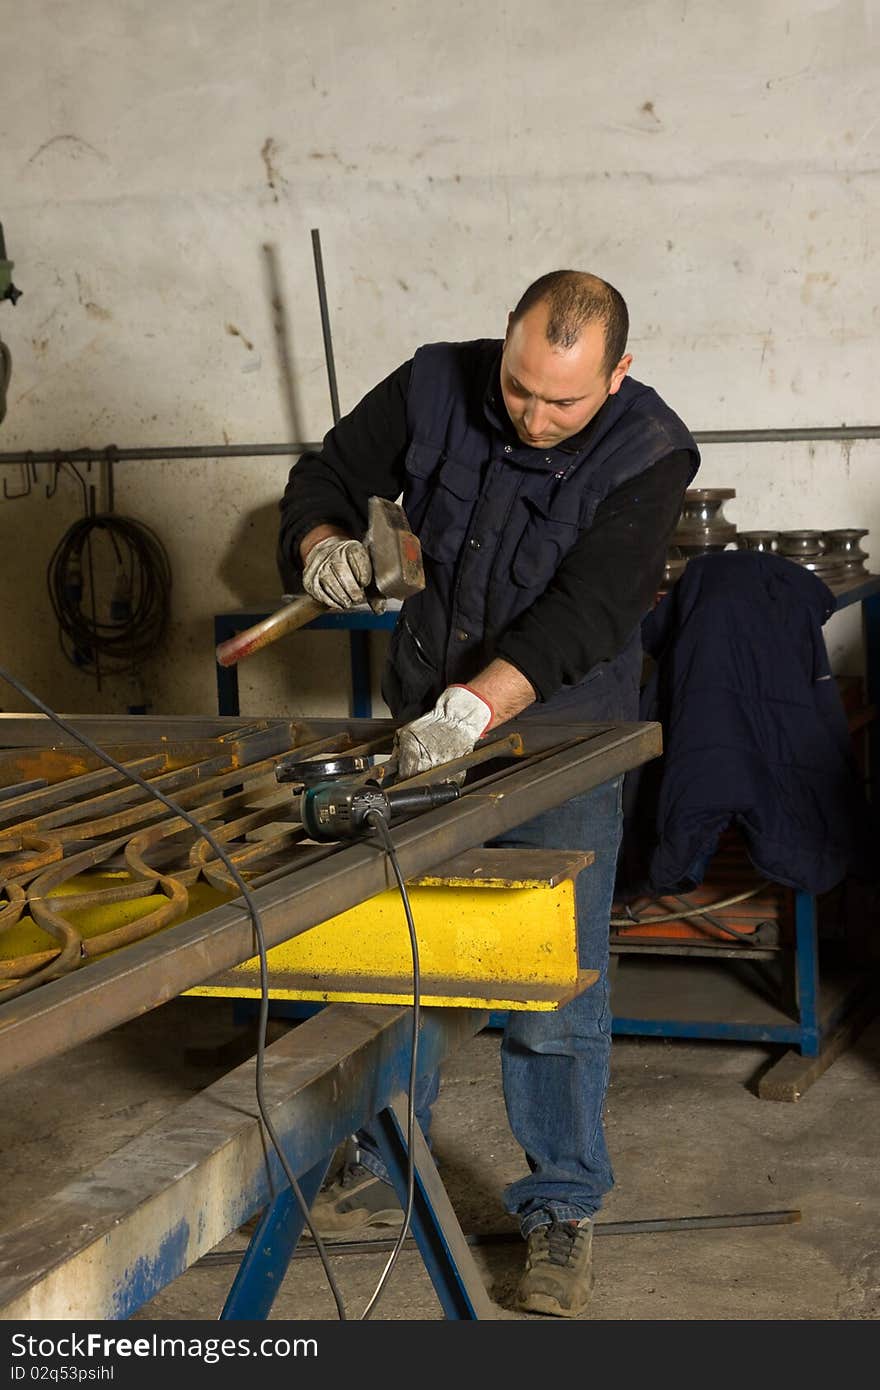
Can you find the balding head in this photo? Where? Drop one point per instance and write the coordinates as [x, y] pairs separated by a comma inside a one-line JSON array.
[[563, 356], [575, 298]]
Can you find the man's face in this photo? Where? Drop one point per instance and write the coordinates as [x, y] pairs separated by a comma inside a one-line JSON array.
[[552, 392]]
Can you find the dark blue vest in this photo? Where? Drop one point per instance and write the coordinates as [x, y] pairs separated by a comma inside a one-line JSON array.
[[495, 519]]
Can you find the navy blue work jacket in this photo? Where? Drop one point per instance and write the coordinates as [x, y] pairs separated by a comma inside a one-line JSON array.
[[495, 519], [754, 730]]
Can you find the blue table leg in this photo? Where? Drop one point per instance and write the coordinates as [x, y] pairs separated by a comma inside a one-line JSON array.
[[439, 1237], [270, 1251], [361, 678], [441, 1241], [807, 968]]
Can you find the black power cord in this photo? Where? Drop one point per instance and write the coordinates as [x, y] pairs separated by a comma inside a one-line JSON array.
[[116, 634], [254, 911], [378, 820]]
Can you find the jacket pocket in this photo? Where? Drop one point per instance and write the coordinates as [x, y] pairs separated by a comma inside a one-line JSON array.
[[411, 680], [549, 534], [448, 486]]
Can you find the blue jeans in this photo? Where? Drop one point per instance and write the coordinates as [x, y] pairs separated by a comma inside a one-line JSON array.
[[555, 1066]]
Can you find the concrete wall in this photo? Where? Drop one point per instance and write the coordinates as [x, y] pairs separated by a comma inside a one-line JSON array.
[[718, 162]]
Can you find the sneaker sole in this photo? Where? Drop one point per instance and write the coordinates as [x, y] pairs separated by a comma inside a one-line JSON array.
[[543, 1303], [548, 1305]]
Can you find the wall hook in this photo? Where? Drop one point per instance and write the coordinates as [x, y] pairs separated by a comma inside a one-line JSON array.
[[57, 465], [26, 477]]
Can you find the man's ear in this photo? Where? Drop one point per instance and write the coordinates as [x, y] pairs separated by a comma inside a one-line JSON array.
[[509, 325], [619, 373]]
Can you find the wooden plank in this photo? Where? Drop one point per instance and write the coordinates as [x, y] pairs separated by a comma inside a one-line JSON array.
[[793, 1074]]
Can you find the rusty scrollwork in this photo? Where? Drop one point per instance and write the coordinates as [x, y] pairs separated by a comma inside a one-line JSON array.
[[54, 843]]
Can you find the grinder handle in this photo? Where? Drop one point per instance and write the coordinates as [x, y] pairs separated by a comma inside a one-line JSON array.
[[286, 619]]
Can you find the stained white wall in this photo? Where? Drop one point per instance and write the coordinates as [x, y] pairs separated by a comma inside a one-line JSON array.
[[719, 163]]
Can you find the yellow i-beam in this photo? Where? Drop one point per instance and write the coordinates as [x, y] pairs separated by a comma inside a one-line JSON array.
[[496, 929]]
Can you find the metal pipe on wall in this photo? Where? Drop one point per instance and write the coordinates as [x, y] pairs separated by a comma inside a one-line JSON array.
[[111, 454], [843, 433]]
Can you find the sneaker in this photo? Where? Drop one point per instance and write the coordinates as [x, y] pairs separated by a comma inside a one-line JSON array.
[[558, 1277], [355, 1198]]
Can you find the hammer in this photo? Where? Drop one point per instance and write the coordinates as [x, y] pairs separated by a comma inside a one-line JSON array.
[[398, 572]]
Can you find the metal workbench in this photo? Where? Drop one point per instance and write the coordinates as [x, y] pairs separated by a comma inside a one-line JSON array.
[[105, 1244]]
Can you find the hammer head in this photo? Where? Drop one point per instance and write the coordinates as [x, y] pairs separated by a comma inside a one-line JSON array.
[[395, 553]]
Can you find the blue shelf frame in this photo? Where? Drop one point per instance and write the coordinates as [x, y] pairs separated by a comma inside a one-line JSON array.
[[358, 625]]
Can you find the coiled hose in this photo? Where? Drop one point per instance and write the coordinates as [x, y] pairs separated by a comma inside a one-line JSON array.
[[110, 587]]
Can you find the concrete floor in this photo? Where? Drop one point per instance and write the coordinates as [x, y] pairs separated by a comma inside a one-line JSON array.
[[687, 1134]]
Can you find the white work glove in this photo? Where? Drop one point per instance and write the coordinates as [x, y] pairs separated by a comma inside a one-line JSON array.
[[448, 731], [336, 572]]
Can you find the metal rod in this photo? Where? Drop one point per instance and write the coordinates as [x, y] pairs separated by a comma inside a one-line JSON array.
[[659, 1226], [842, 433], [786, 436], [662, 1225], [149, 455], [325, 324]]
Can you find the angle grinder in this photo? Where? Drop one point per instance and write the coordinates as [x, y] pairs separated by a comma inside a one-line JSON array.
[[337, 796]]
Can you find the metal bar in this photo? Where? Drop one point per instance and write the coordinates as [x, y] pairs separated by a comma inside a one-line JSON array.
[[664, 1225], [157, 454], [148, 453], [786, 436], [325, 324], [265, 736], [108, 1242], [65, 1012], [442, 1245], [22, 789], [105, 812], [708, 1028], [669, 1225], [807, 973], [629, 946], [18, 803]]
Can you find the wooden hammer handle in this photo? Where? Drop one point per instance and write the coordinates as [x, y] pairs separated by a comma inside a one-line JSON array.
[[286, 619]]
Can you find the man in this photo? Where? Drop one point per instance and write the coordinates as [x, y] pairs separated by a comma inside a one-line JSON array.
[[543, 484]]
